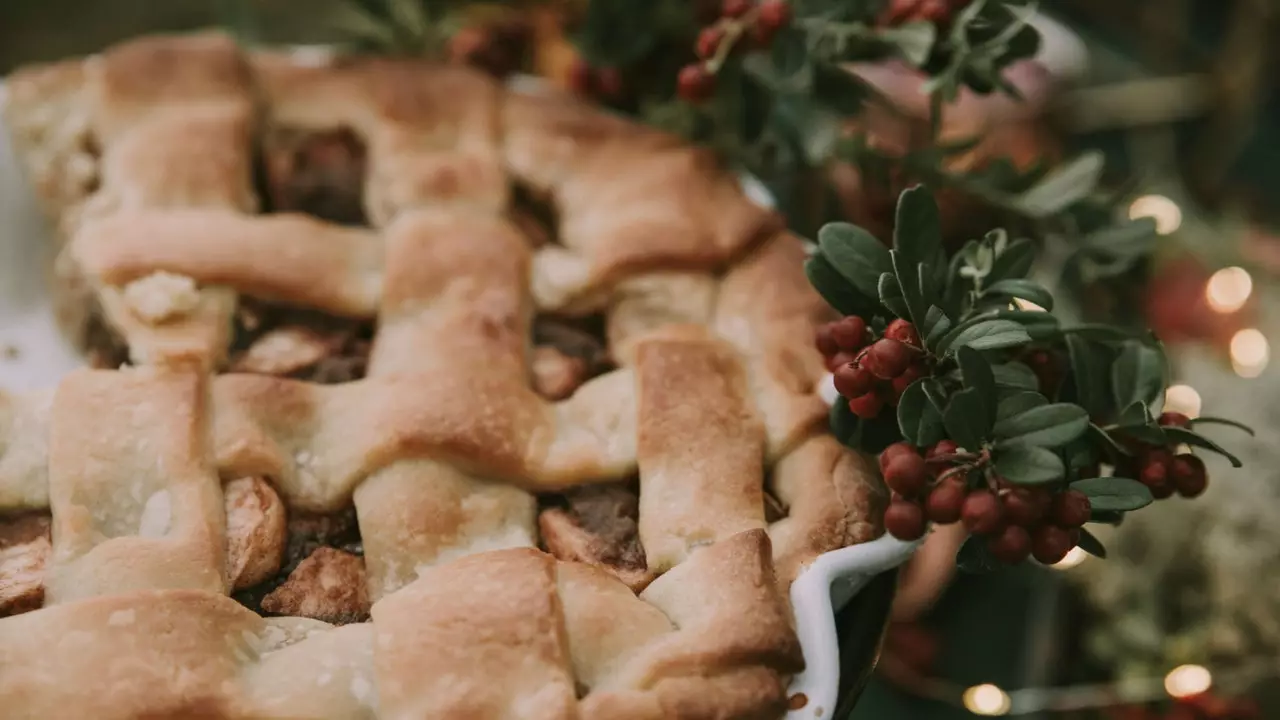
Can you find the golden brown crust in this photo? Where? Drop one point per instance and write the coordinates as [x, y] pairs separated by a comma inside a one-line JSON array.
[[444, 443]]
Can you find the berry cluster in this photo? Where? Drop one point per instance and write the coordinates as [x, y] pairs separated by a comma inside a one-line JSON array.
[[1164, 472], [1017, 522], [870, 375], [901, 12], [738, 19], [603, 83]]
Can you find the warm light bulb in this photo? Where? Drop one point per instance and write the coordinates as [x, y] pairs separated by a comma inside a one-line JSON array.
[[987, 700], [1165, 212], [1250, 353], [1182, 399], [1187, 680], [1073, 558], [1229, 289]]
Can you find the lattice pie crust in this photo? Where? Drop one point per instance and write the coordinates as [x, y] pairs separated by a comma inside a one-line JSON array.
[[170, 484]]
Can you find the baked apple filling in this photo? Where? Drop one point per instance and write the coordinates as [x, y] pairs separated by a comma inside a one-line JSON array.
[[291, 342], [597, 524], [320, 173], [24, 551], [304, 564], [567, 352]]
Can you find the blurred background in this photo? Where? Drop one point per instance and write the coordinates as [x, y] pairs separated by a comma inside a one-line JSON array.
[[1179, 98]]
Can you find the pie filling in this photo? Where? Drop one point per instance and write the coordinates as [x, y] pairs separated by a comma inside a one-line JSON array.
[[597, 524], [321, 572], [284, 341], [567, 352], [320, 173]]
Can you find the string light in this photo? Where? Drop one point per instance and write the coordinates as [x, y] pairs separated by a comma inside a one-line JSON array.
[[1187, 680], [1073, 558], [1182, 399], [1229, 289], [1165, 212], [1250, 353], [987, 700]]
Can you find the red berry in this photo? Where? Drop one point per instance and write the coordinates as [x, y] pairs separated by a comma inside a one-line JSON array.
[[1050, 543], [1070, 509], [907, 474], [1174, 419], [1162, 492], [850, 333], [609, 82], [935, 11], [904, 520], [903, 332], [892, 453], [695, 84], [1154, 470], [839, 360], [825, 340], [735, 8], [887, 359], [581, 77], [1011, 546], [945, 501], [1189, 476], [982, 512], [774, 15], [1025, 507], [867, 406], [942, 448], [852, 381], [709, 41]]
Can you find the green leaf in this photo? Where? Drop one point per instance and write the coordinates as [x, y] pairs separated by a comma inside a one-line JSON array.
[[836, 290], [1015, 375], [839, 89], [1114, 494], [856, 255], [917, 232], [1091, 544], [1089, 365], [1107, 517], [1046, 426], [1064, 187], [909, 280], [1019, 403], [1106, 439], [977, 371], [1028, 465], [987, 335], [1022, 288], [974, 558], [844, 424], [891, 296], [913, 41], [1135, 238], [936, 392], [616, 33], [1015, 262], [936, 325], [1135, 413], [919, 420], [967, 419], [1138, 375], [1187, 437], [1209, 420]]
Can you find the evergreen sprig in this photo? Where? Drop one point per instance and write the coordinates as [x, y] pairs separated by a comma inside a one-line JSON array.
[[979, 390]]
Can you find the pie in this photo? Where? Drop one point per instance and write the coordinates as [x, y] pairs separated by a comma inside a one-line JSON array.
[[412, 396]]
